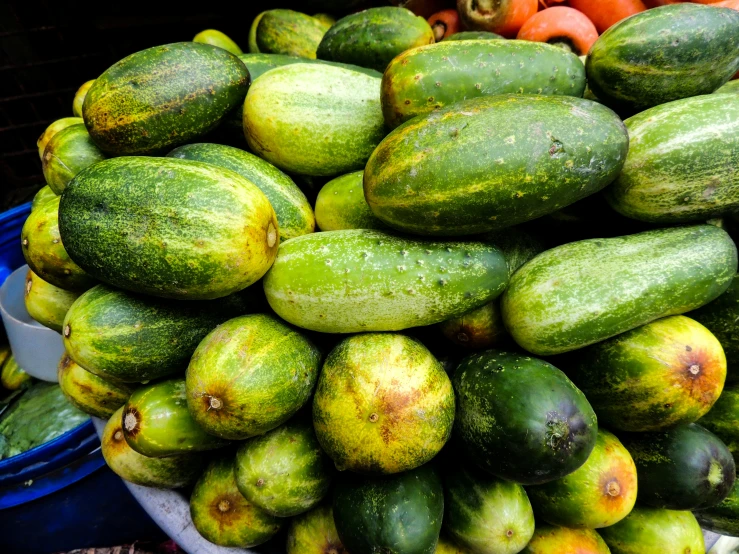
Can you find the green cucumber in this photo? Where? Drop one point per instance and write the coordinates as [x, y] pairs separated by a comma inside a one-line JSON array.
[[88, 392], [600, 493], [587, 291], [250, 375], [655, 531], [664, 54], [486, 515], [12, 376], [260, 63], [341, 205], [163, 96], [326, 19], [253, 46], [424, 79], [44, 193], [219, 39], [79, 97], [283, 472], [365, 280], [224, 517], [314, 533], [46, 303], [396, 514], [560, 150], [445, 546], [473, 35], [68, 152], [383, 404], [206, 234], [664, 373], [723, 419], [561, 540], [540, 428], [314, 119], [480, 328], [45, 253], [730, 87], [164, 473], [685, 467], [373, 37], [288, 32], [722, 518], [53, 129], [294, 214]]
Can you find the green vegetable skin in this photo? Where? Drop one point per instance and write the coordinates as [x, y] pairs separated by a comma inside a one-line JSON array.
[[364, 280], [68, 152], [12, 376], [486, 173], [163, 96], [724, 517], [224, 517], [423, 79], [730, 87], [53, 129], [44, 193], [253, 46], [723, 419], [284, 472], [373, 37], [399, 513], [314, 533], [219, 39], [46, 303], [664, 54], [88, 392], [480, 328], [561, 540], [288, 32], [341, 205], [206, 234], [587, 291], [79, 98], [473, 35], [260, 63]]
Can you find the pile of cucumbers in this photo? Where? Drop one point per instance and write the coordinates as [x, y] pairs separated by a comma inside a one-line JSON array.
[[392, 296]]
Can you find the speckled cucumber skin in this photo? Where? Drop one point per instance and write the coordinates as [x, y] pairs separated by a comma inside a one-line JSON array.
[[383, 404], [423, 79], [723, 420], [655, 531], [724, 517], [730, 87], [163, 96], [373, 37], [68, 152], [680, 163], [600, 493], [397, 514], [288, 32], [79, 97], [667, 372], [284, 471], [540, 428], [341, 205], [46, 303], [466, 169], [219, 39], [224, 517], [53, 129], [170, 228], [88, 392], [365, 280], [315, 533], [664, 54], [685, 467], [587, 291], [164, 473], [473, 35], [46, 255], [260, 63], [294, 214], [561, 540], [44, 193], [250, 375], [314, 119], [486, 515]]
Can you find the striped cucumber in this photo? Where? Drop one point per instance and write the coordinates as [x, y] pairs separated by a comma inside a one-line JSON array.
[[53, 129], [46, 303], [314, 533], [88, 392], [561, 540], [79, 97], [68, 152], [219, 39], [288, 32], [341, 205]]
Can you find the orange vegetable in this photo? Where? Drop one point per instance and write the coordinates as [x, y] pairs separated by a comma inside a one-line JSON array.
[[733, 4], [561, 25], [504, 17], [604, 13], [445, 23]]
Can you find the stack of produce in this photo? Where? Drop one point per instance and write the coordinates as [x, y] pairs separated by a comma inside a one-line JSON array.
[[341, 384]]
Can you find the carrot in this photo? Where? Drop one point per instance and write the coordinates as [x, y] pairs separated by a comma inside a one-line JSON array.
[[504, 17], [604, 13], [445, 23], [561, 25], [733, 4]]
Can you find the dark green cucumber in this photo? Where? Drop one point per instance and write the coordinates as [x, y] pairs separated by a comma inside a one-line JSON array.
[[664, 54], [561, 540], [224, 517], [53, 129], [294, 214], [560, 150], [163, 96], [383, 404], [250, 375], [730, 87], [79, 97], [540, 428], [424, 79], [215, 37], [341, 205], [396, 514], [44, 193], [284, 472], [723, 419], [664, 373], [600, 493], [722, 518], [517, 246], [587, 291], [486, 515], [685, 467], [164, 473], [206, 234], [315, 533], [88, 392], [365, 280], [473, 35], [46, 255], [46, 303], [288, 32], [259, 63], [68, 152]]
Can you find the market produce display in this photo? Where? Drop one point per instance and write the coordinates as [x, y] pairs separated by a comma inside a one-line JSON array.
[[391, 283]]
